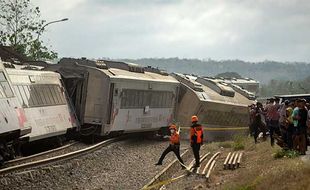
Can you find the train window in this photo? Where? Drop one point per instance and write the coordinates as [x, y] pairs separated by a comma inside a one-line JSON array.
[[52, 94], [2, 77], [7, 89], [141, 95], [23, 95], [33, 97], [18, 93], [2, 95], [47, 95], [27, 93], [55, 94], [62, 97], [35, 90], [40, 91], [142, 98]]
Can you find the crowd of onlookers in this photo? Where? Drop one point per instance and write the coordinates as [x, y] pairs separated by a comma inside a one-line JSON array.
[[287, 123]]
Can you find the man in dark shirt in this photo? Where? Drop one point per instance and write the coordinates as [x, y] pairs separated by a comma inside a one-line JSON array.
[[301, 131]]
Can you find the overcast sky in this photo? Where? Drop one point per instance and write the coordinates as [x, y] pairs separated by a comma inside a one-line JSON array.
[[251, 30]]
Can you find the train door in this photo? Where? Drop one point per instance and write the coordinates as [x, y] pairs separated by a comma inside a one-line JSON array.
[[76, 88], [110, 103]]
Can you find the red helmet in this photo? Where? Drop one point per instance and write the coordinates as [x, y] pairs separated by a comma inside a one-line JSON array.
[[194, 118]]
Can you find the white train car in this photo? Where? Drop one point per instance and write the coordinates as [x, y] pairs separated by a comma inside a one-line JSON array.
[[43, 98], [223, 111], [12, 118], [119, 97]]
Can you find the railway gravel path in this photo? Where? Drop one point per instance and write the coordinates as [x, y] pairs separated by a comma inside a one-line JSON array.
[[127, 164]]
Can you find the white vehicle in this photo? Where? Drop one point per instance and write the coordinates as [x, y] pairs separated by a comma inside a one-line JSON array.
[[43, 98], [12, 118], [121, 97]]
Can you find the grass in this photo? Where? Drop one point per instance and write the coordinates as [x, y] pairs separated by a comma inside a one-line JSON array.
[[226, 144], [239, 142], [285, 154], [260, 169]]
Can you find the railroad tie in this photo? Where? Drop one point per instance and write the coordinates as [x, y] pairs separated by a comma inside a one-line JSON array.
[[233, 160], [226, 160], [239, 159], [210, 169], [234, 164], [209, 163]]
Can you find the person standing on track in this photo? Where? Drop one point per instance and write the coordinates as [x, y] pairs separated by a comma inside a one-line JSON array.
[[173, 146], [196, 139]]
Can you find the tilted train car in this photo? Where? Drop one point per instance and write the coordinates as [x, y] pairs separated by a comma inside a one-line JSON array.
[[12, 118], [118, 97], [219, 108], [43, 99]]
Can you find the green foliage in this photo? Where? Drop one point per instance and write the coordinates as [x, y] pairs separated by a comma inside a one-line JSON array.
[[262, 71], [21, 27], [286, 87], [285, 153], [239, 142], [225, 144]]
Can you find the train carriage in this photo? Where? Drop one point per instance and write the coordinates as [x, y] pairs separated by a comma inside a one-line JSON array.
[[219, 108], [43, 99], [12, 118], [119, 97]]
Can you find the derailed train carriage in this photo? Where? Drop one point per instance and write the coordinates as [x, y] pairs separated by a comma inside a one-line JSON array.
[[221, 109], [12, 118], [44, 102], [117, 97]]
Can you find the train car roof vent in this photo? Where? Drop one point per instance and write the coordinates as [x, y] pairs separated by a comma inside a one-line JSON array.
[[155, 70], [188, 81], [132, 67], [219, 87], [100, 64]]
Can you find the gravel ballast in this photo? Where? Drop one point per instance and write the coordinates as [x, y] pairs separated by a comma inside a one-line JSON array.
[[128, 164]]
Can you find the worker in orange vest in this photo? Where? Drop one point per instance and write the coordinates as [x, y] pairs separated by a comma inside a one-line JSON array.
[[196, 139], [173, 146]]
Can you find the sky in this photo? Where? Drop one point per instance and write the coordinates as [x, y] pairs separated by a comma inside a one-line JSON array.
[[250, 30]]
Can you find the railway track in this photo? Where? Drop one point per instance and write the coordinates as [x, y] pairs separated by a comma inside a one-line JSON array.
[[35, 161], [41, 155], [160, 180]]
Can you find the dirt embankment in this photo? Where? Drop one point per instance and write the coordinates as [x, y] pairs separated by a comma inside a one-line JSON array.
[[258, 170]]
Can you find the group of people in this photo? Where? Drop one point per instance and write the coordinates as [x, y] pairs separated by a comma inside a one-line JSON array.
[[196, 140], [287, 123]]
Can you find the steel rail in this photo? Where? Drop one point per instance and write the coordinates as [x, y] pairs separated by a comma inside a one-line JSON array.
[[59, 157]]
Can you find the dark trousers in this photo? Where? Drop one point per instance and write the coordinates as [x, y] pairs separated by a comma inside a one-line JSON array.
[[300, 143], [284, 136], [290, 133], [196, 149], [173, 148], [273, 129]]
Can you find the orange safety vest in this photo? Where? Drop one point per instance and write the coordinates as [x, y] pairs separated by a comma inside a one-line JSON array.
[[175, 139], [196, 133]]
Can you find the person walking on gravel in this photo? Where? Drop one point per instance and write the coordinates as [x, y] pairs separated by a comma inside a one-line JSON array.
[[173, 146], [196, 139]]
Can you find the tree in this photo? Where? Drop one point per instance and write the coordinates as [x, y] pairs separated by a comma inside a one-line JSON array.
[[229, 75], [20, 26]]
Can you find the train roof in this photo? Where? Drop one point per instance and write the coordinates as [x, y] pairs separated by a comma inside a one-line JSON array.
[[234, 80], [112, 69], [124, 74], [33, 76], [293, 96], [208, 93]]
